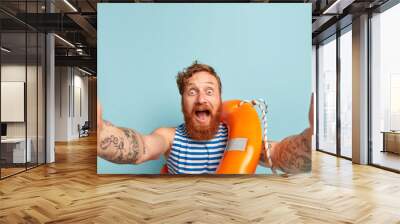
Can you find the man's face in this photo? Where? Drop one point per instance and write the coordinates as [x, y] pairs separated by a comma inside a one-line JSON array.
[[201, 106]]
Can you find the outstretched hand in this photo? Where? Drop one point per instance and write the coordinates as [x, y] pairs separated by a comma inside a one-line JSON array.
[[311, 114]]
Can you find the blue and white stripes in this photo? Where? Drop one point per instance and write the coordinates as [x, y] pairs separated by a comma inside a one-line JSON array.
[[188, 156]]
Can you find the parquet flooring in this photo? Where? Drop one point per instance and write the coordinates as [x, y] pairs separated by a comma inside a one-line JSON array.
[[70, 191], [9, 171]]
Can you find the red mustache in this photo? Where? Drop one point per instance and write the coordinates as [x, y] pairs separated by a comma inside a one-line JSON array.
[[201, 108]]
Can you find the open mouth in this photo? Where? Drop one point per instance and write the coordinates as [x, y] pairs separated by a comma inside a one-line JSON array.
[[203, 114]]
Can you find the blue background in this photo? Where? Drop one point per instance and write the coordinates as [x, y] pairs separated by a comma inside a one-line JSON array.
[[259, 50]]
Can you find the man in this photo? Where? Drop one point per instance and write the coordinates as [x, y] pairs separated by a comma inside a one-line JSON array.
[[196, 146]]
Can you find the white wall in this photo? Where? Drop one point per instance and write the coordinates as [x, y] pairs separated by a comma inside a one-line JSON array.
[[80, 89], [71, 87], [15, 72], [33, 127], [62, 81], [9, 73]]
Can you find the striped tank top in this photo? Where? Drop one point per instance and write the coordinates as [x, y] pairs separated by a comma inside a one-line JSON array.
[[188, 156]]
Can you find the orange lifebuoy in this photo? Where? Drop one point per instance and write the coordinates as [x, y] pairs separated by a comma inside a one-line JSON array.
[[243, 149]]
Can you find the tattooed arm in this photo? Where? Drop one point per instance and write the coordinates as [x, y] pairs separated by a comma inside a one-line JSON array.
[[293, 154], [124, 145]]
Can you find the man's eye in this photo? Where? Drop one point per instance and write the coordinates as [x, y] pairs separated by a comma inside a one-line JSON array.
[[192, 92], [209, 92]]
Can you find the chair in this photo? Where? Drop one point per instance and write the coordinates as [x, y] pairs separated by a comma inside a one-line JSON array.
[[84, 130]]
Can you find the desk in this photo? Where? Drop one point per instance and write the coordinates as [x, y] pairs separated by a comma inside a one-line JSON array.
[[391, 141], [17, 151]]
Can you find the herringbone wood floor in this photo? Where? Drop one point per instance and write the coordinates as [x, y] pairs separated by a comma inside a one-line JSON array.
[[70, 191]]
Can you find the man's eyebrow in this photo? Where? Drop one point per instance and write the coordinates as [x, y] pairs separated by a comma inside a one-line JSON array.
[[191, 84], [212, 83]]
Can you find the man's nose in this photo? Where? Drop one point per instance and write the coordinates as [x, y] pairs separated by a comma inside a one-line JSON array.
[[201, 98]]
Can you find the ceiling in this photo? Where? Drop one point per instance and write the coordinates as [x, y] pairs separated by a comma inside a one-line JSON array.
[[76, 22]]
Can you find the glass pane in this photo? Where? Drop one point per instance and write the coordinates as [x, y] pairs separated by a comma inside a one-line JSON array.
[[41, 98], [327, 96], [346, 94], [386, 89], [31, 100], [23, 89], [13, 87], [31, 86]]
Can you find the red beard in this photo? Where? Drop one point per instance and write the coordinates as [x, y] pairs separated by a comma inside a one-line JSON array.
[[200, 132]]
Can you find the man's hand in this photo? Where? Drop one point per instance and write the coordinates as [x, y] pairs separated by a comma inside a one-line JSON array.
[[293, 154], [311, 115], [263, 157]]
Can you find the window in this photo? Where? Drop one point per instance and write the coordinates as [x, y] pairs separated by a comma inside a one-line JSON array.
[[346, 92], [385, 88], [327, 96]]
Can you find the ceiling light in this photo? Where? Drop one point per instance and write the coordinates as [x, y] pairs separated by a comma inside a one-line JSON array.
[[329, 9], [70, 5], [337, 7], [65, 41], [5, 50], [84, 71]]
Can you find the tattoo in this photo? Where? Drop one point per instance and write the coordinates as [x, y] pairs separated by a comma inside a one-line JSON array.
[[120, 157], [115, 140], [293, 154], [119, 145], [132, 155], [133, 149], [107, 141]]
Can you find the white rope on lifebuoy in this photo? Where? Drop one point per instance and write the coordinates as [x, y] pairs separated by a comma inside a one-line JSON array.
[[262, 105]]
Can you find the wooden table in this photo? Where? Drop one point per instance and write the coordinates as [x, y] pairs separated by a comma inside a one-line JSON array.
[[17, 150], [391, 141]]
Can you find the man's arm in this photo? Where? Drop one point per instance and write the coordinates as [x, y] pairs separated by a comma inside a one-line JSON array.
[[293, 154], [124, 145], [120, 145]]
